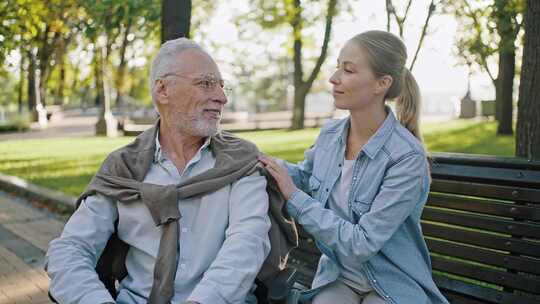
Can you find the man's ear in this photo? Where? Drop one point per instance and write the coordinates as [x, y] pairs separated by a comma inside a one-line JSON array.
[[384, 83], [160, 89]]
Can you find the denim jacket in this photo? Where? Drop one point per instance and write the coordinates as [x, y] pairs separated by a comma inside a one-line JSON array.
[[389, 188]]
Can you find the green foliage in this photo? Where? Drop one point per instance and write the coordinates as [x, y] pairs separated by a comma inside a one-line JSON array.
[[56, 30], [67, 164], [480, 24], [264, 65], [21, 22], [201, 12], [8, 87]]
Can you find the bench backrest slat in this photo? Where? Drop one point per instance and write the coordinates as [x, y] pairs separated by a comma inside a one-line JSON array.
[[487, 190], [484, 206], [490, 175]]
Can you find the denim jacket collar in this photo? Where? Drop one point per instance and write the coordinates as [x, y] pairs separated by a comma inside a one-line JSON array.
[[377, 141]]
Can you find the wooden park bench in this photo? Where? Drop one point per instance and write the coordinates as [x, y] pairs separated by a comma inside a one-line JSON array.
[[482, 226]]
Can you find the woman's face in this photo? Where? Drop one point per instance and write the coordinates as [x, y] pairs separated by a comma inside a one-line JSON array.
[[355, 85]]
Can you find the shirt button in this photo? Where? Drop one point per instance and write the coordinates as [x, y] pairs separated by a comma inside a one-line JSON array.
[[374, 281], [183, 266], [184, 229]]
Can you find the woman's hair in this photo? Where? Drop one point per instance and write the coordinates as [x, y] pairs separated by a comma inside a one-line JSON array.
[[387, 55]]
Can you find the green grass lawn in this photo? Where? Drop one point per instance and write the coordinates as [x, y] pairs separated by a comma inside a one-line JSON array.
[[67, 164]]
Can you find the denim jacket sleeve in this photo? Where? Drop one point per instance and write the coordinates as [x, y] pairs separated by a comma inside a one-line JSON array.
[[402, 189], [71, 258]]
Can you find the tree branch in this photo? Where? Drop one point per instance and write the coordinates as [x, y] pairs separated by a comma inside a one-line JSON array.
[[389, 7], [296, 23], [431, 9], [331, 12], [477, 24], [407, 10], [517, 24]]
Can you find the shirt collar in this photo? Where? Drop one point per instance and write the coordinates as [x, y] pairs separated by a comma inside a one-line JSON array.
[[377, 141], [160, 157]]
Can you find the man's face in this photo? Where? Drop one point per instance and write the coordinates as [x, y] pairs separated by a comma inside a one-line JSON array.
[[190, 96]]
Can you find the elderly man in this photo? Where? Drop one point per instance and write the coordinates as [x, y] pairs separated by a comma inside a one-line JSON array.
[[186, 199]]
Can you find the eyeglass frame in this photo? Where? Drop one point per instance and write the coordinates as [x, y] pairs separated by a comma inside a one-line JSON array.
[[213, 80]]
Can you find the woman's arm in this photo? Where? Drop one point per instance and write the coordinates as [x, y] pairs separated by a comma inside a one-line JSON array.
[[401, 191]]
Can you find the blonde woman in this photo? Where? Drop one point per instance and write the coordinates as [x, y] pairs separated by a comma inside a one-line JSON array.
[[361, 188]]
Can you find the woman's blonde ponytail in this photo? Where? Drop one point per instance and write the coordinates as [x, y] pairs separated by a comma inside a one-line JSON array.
[[408, 104]]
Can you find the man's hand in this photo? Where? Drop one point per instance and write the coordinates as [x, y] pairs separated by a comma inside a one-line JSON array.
[[280, 174]]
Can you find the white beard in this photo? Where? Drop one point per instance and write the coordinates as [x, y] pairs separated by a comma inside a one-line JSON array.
[[198, 126]]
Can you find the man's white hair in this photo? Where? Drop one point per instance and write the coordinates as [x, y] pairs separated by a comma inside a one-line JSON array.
[[166, 54]]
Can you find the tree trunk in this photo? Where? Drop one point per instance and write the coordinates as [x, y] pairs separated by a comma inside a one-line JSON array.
[[175, 19], [33, 93], [98, 75], [299, 95], [120, 85], [301, 87], [44, 55], [43, 87], [60, 96], [528, 125], [507, 66], [21, 84], [507, 71], [107, 125], [35, 106]]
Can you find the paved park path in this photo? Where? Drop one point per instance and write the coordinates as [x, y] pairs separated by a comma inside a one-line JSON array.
[[25, 233], [69, 126]]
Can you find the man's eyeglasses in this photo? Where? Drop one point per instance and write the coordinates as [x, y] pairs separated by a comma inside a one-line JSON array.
[[207, 83]]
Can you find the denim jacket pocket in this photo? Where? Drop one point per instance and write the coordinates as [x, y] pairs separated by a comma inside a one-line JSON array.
[[359, 208], [314, 185]]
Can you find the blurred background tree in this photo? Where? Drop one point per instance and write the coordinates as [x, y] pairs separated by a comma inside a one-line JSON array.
[[63, 52], [488, 37]]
